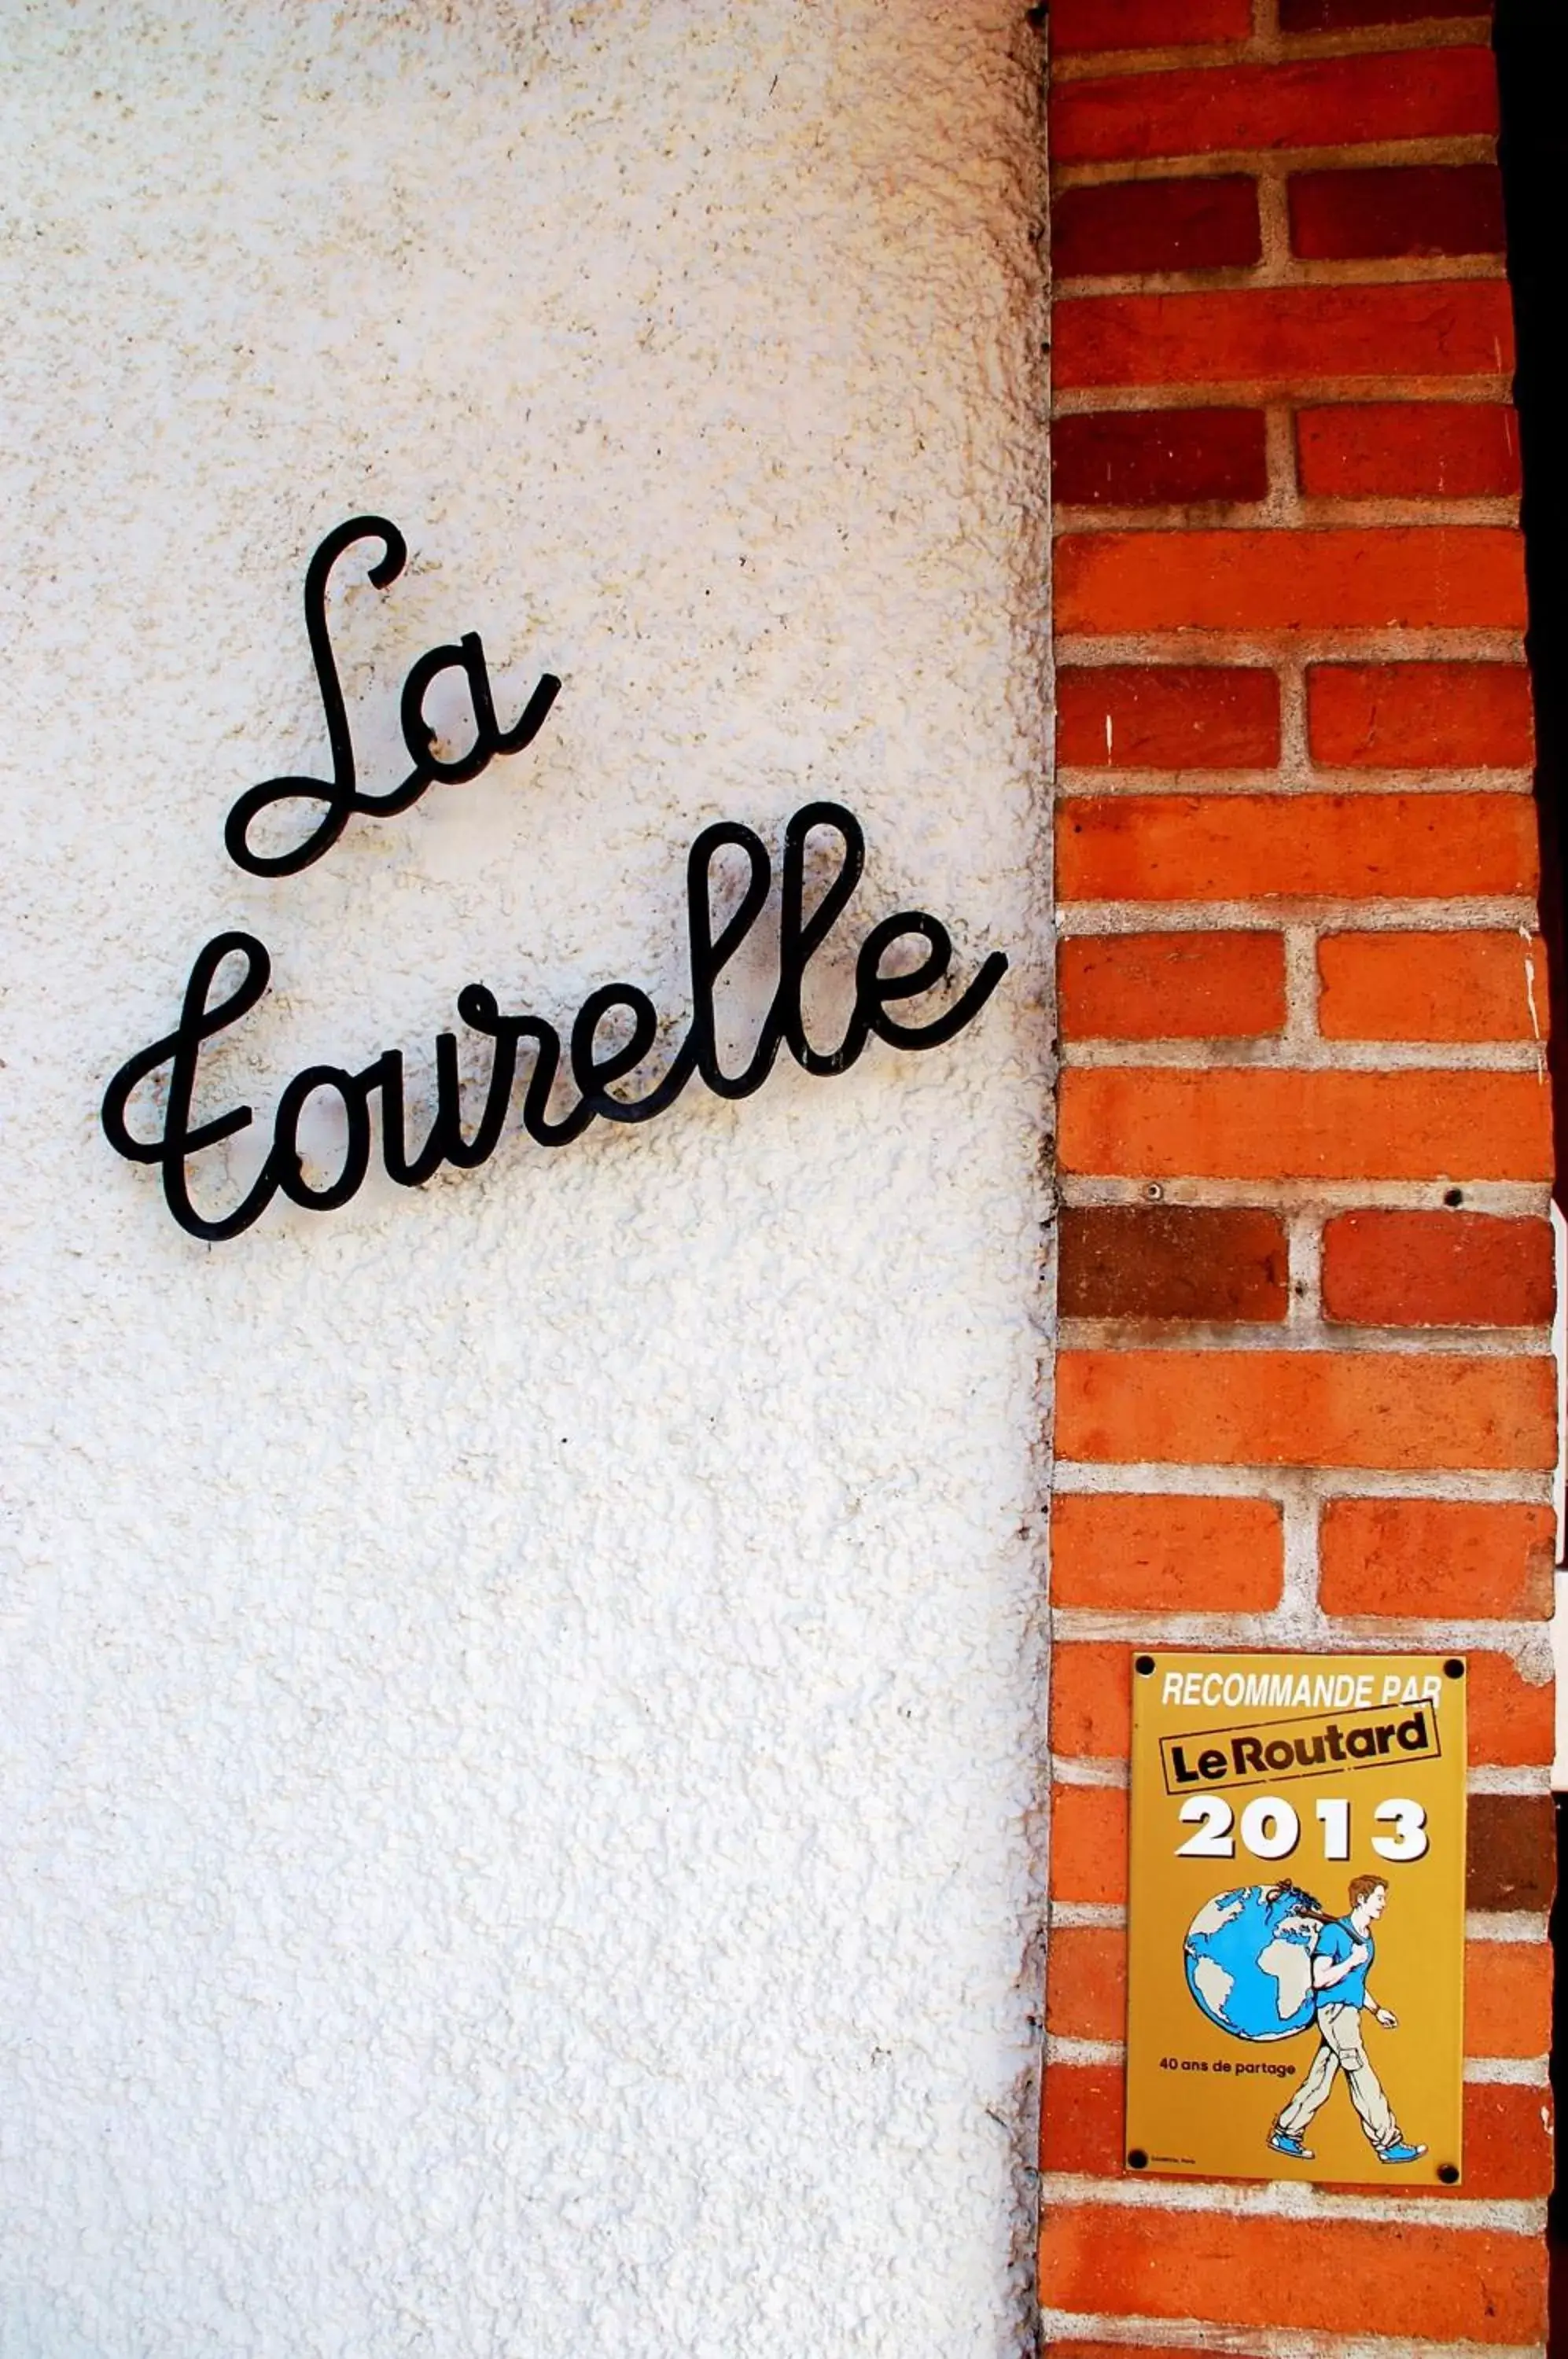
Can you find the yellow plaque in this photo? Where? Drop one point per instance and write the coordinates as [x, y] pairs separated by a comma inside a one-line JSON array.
[[1296, 1918]]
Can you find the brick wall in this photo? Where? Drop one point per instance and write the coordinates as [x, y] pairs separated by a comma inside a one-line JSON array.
[[1304, 1397]]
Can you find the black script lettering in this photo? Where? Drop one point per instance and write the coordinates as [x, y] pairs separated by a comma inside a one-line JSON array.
[[339, 796], [179, 1050], [1246, 1752], [595, 1068], [1184, 1777], [873, 989], [285, 1157], [1412, 1735]]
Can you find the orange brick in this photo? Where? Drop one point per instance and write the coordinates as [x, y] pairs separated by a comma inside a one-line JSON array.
[[1081, 2115], [1088, 1843], [1085, 1982], [1253, 847], [1453, 986], [1282, 338], [1241, 1123], [1507, 2144], [1121, 1552], [1435, 576], [1167, 717], [1305, 1408], [1091, 1701], [1408, 449], [1171, 986], [1342, 2277], [1511, 1720], [1145, 24], [1420, 716], [1405, 94], [1441, 1557], [1438, 1269], [1508, 1998]]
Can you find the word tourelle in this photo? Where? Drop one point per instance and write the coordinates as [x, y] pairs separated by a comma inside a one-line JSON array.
[[595, 1066]]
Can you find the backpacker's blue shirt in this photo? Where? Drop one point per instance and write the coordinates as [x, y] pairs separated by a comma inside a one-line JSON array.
[[1334, 1942]]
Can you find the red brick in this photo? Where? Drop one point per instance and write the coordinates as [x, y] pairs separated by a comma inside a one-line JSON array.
[[1252, 1124], [1410, 209], [1326, 102], [1088, 1843], [1091, 1702], [1171, 1261], [1343, 2276], [1408, 449], [1144, 458], [1062, 2348], [1446, 1558], [1282, 338], [1437, 1270], [1085, 1981], [1124, 1554], [1167, 717], [1137, 226], [1511, 1720], [1507, 1996], [1343, 16], [1456, 986], [1421, 576], [1512, 1858], [1171, 986], [1145, 24], [1420, 716], [1305, 1408], [1248, 847]]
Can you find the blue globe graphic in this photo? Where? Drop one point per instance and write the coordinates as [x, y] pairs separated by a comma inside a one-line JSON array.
[[1248, 1955]]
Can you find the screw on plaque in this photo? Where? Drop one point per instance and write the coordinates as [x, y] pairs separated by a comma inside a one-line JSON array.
[[1455, 1668], [1138, 2159], [1143, 1665], [1449, 2173]]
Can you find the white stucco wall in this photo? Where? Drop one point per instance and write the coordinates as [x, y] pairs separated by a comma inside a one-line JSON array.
[[516, 1719]]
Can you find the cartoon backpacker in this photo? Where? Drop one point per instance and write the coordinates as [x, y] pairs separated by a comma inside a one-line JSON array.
[[1265, 1961]]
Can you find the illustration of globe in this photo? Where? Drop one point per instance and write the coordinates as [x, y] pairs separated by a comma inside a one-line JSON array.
[[1248, 1955]]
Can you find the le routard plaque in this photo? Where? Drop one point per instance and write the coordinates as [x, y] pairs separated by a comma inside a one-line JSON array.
[[1296, 1918]]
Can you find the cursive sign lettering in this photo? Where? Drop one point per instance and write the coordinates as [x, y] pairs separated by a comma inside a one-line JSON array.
[[339, 796], [595, 1068]]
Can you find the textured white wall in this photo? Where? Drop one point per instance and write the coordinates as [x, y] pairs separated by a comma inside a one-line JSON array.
[[515, 1717]]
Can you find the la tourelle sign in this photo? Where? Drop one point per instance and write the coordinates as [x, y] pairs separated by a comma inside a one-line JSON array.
[[604, 1071]]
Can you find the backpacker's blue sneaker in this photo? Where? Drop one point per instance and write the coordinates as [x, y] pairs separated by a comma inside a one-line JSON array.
[[1399, 2152], [1283, 2143]]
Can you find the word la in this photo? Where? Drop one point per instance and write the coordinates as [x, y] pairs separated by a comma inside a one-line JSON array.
[[340, 796]]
